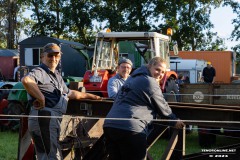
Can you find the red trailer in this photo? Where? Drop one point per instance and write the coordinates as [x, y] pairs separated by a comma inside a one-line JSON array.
[[9, 60]]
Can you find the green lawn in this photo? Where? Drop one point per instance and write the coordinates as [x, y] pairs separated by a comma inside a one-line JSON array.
[[192, 145], [8, 145]]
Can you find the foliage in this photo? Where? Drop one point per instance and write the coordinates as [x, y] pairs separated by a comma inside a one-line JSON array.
[[3, 24], [236, 32], [77, 20], [10, 25], [78, 15], [191, 22]]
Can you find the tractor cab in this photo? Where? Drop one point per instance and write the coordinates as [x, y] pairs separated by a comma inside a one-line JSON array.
[[140, 47]]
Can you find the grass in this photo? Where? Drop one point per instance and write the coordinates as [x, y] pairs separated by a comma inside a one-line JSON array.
[[8, 145], [192, 145]]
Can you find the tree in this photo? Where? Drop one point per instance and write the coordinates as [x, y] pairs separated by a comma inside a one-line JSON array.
[[235, 35], [191, 23], [75, 20], [78, 18], [44, 18], [3, 24], [112, 12], [126, 15], [70, 20], [8, 16], [139, 17]]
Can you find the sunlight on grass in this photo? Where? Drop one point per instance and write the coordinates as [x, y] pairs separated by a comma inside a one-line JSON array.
[[8, 145], [192, 144]]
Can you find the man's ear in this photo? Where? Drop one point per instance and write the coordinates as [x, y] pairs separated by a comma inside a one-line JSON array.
[[41, 55]]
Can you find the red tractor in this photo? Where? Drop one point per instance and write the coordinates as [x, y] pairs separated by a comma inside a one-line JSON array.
[[140, 46]]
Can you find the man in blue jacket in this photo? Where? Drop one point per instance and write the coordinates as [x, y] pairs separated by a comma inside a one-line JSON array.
[[115, 83], [137, 103]]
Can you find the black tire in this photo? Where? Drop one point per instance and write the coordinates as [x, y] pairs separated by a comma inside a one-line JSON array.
[[171, 89], [14, 108]]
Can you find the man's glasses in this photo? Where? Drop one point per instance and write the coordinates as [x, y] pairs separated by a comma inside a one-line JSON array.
[[123, 67], [54, 55]]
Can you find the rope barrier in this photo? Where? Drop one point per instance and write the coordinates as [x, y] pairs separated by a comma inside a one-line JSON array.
[[155, 120], [180, 94], [159, 120], [140, 119], [215, 95], [9, 119]]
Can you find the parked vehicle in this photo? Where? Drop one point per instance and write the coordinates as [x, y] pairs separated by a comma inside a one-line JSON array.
[[107, 52], [191, 68], [224, 63]]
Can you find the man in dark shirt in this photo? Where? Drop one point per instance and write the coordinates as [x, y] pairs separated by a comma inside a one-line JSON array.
[[209, 73], [48, 95]]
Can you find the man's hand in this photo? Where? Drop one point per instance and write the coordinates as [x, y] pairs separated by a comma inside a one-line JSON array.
[[98, 98], [179, 124], [82, 95], [39, 104]]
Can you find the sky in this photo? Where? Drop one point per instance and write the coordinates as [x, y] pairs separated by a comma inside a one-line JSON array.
[[222, 18]]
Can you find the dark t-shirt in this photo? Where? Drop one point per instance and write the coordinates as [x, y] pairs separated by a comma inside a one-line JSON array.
[[208, 74], [50, 84]]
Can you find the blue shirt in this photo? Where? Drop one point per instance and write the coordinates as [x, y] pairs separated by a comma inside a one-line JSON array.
[[50, 84], [114, 84]]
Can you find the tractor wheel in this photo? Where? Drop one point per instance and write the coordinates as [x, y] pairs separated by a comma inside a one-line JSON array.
[[14, 108], [171, 90]]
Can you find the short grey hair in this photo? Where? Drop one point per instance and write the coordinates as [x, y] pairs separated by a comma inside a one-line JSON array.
[[124, 60], [51, 48]]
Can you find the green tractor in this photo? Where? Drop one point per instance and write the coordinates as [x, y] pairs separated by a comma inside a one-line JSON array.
[[17, 105]]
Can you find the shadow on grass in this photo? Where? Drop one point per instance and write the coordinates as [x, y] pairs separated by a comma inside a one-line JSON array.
[[192, 144]]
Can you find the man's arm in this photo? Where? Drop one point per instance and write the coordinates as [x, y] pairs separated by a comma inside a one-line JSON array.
[[203, 74], [82, 95], [213, 81], [32, 89], [214, 75], [112, 88]]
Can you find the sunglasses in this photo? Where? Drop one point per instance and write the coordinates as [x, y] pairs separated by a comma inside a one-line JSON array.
[[53, 55]]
